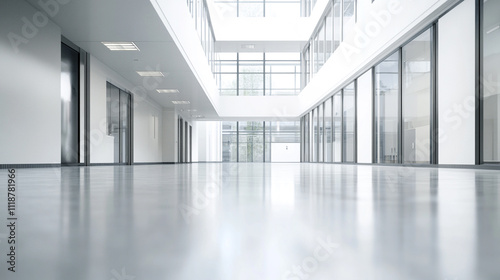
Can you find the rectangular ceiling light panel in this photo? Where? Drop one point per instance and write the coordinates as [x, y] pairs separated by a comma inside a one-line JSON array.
[[150, 74], [167, 90], [121, 46], [181, 102]]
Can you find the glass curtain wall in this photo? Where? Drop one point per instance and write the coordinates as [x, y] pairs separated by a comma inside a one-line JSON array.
[[227, 74], [386, 110], [258, 74], [250, 141], [251, 74], [349, 123], [253, 141], [404, 110], [282, 73], [339, 20], [490, 82], [416, 99], [203, 25]]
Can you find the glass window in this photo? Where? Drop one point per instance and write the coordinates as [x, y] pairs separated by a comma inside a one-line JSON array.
[[307, 134], [320, 133], [306, 58], [337, 127], [491, 82], [328, 157], [349, 125], [282, 73], [229, 142], [316, 53], [314, 144], [251, 74], [337, 23], [320, 58], [416, 99], [329, 48], [267, 141], [387, 110], [251, 141], [349, 16]]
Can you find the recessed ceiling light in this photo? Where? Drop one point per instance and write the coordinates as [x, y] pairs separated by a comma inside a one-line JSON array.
[[181, 102], [191, 110], [121, 46], [198, 116], [150, 73], [167, 90]]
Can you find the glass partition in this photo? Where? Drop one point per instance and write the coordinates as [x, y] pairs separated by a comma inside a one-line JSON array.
[[328, 131], [416, 99], [386, 110], [491, 82], [349, 123]]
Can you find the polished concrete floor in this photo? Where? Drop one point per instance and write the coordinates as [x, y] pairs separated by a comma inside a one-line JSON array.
[[253, 221]]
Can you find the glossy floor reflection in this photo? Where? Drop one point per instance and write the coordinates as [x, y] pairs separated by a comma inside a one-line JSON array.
[[254, 221]]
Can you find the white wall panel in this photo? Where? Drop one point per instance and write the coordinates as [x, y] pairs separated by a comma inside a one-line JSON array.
[[209, 141], [456, 85], [285, 152], [365, 117], [30, 94]]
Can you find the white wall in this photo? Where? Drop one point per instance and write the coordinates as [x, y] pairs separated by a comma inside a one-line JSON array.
[[30, 94], [285, 152], [148, 138], [364, 116], [209, 141], [146, 149], [456, 85], [169, 124]]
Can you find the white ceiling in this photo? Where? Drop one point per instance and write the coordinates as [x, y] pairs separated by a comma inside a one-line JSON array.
[[88, 23]]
